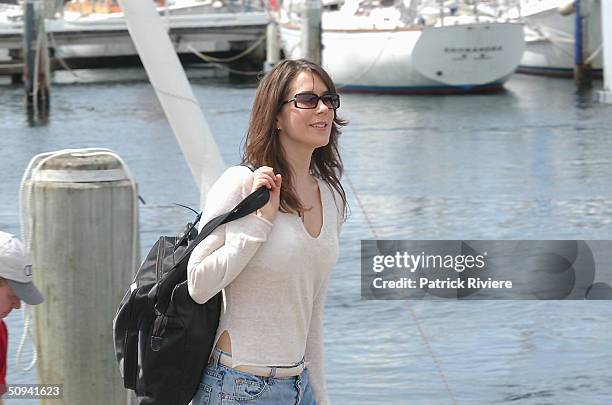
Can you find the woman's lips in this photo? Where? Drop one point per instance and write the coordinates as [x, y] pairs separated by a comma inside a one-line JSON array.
[[319, 125]]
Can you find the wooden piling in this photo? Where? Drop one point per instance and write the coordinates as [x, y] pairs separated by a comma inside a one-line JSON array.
[[84, 246], [272, 47], [311, 31], [29, 27], [582, 69], [36, 71]]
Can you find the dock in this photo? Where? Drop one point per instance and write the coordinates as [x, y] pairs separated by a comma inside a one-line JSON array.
[[93, 43]]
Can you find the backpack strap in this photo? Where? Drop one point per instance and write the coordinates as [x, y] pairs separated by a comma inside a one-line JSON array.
[[251, 203], [162, 291]]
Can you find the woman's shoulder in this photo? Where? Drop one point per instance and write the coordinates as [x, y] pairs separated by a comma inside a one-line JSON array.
[[235, 176], [234, 182], [236, 173], [331, 190], [336, 199]]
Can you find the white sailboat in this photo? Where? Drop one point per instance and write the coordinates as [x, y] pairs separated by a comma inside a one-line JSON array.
[[410, 49], [549, 36]]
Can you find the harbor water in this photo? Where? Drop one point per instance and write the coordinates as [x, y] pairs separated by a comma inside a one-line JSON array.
[[532, 162]]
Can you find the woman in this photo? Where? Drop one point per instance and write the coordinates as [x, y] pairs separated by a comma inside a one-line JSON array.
[[274, 265]]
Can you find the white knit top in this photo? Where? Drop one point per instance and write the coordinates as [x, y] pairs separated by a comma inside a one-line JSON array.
[[275, 277]]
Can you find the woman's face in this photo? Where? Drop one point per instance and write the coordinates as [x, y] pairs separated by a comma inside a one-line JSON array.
[[309, 128]]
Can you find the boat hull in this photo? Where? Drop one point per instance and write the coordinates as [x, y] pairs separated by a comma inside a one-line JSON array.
[[451, 59]]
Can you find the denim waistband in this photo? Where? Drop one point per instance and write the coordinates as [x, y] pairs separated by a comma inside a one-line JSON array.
[[218, 356]]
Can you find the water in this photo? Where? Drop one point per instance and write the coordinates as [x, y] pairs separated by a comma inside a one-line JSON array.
[[530, 163]]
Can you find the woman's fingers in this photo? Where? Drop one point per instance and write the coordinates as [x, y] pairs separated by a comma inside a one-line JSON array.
[[265, 177], [265, 180], [265, 170]]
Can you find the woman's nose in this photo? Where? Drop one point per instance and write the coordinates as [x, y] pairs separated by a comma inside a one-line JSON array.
[[321, 107], [17, 303]]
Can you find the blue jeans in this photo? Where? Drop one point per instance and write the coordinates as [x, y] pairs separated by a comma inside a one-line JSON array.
[[221, 385]]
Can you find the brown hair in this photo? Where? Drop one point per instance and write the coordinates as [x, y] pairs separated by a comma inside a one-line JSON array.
[[262, 145]]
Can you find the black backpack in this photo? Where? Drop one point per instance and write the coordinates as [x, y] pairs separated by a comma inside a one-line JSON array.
[[162, 337]]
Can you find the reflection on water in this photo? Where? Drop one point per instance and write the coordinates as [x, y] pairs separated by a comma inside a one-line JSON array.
[[529, 163]]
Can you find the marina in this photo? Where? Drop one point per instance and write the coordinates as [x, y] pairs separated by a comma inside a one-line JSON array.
[[410, 47], [524, 159], [495, 166]]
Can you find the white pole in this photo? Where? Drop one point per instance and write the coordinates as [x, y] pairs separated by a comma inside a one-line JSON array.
[[272, 46], [170, 83], [311, 30], [605, 95]]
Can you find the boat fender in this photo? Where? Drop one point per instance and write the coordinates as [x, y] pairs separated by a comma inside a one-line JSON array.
[[567, 9]]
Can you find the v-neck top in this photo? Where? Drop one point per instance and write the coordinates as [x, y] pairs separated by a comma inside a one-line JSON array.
[[274, 277]]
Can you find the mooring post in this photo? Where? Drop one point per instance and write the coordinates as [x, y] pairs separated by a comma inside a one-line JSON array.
[[311, 31], [29, 33], [81, 218], [272, 47], [36, 72], [582, 70]]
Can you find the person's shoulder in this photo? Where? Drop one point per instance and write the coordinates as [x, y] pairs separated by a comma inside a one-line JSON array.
[[235, 176], [235, 180], [336, 197]]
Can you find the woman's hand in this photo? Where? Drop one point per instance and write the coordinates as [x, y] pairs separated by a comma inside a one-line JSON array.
[[264, 176]]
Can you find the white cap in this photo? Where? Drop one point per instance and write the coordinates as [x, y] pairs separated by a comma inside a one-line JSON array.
[[16, 268]]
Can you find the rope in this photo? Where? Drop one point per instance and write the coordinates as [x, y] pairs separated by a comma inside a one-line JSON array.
[[61, 60], [27, 222], [422, 333], [232, 58], [552, 34], [210, 60], [554, 40], [595, 53]]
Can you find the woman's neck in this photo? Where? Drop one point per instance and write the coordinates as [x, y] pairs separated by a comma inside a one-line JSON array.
[[299, 162]]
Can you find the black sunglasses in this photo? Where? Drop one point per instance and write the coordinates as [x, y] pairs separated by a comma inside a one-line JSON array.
[[309, 101]]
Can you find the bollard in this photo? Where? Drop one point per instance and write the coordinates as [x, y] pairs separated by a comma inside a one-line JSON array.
[[36, 66], [80, 211], [29, 36], [272, 47], [311, 31], [582, 69]]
